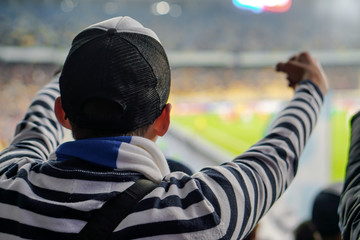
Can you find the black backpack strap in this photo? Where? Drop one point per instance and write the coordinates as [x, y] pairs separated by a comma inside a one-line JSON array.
[[107, 218]]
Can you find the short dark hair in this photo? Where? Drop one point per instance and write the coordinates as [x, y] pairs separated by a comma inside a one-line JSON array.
[[82, 133]]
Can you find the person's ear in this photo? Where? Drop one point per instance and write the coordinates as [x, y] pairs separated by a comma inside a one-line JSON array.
[[162, 123], [60, 114]]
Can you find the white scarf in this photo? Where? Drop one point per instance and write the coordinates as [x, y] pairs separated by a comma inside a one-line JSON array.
[[121, 153]]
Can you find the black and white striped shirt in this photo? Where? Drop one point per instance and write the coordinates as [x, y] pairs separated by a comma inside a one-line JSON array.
[[44, 198]]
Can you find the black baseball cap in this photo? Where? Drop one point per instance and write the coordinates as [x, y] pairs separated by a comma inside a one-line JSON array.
[[116, 62]]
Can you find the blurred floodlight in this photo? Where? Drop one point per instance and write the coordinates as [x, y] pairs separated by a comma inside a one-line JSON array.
[[259, 6], [68, 5], [111, 8], [161, 8], [175, 10]]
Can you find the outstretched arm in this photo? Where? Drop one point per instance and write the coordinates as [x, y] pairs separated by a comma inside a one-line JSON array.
[[234, 196], [266, 170], [38, 133]]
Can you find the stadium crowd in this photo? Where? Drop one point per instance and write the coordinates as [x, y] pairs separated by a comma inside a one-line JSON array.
[[20, 81], [18, 84], [223, 26]]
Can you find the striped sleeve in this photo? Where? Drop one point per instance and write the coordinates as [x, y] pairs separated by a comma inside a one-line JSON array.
[[261, 174], [38, 133], [349, 206], [243, 190], [227, 201]]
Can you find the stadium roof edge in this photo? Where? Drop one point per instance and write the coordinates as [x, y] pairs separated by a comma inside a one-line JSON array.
[[250, 59]]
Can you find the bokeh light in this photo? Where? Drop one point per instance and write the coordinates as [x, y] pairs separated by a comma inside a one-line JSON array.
[[164, 8], [161, 8]]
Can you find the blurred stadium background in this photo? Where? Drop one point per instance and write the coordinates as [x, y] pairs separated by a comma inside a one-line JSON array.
[[225, 92]]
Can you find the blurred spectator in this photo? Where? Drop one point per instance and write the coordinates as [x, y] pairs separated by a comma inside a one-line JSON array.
[[324, 213], [324, 223]]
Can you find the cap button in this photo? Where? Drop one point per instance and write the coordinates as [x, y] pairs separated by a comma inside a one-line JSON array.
[[111, 31]]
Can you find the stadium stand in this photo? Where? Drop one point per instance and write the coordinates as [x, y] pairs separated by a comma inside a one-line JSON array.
[[202, 25]]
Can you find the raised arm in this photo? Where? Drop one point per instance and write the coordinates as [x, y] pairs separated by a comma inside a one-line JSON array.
[[243, 190], [349, 207], [38, 133]]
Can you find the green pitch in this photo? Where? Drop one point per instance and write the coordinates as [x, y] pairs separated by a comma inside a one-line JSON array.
[[233, 135], [237, 134], [340, 140]]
